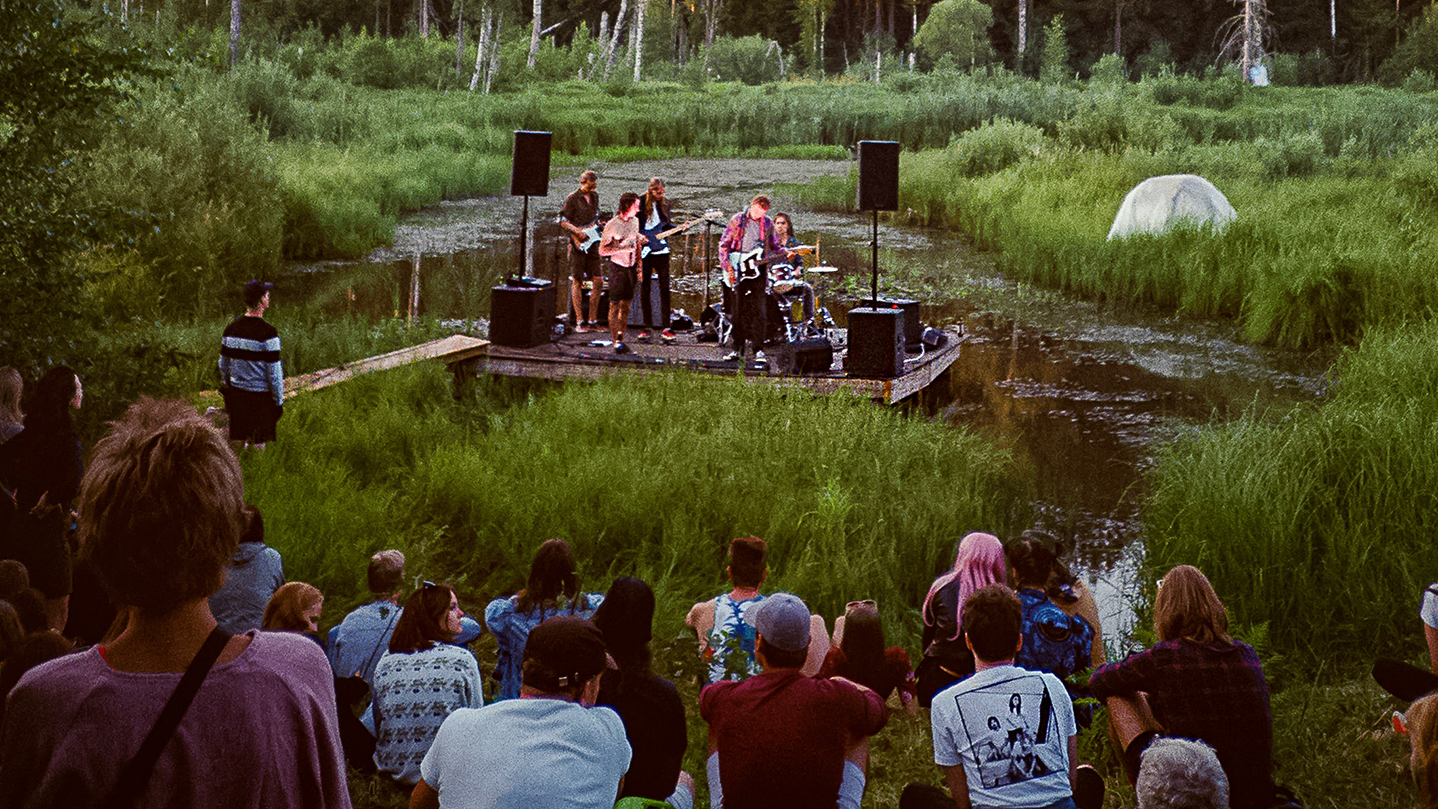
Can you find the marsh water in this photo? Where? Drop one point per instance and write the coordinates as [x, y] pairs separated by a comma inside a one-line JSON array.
[[1081, 392]]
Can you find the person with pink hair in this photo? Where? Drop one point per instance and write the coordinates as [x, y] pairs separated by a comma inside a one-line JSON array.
[[978, 563]]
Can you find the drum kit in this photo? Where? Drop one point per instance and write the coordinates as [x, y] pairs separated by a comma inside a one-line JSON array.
[[782, 280]]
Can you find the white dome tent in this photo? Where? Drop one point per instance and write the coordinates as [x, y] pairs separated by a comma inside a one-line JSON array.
[[1158, 203]]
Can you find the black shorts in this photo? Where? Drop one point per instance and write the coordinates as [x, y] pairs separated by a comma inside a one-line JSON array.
[[622, 281], [252, 415], [583, 266]]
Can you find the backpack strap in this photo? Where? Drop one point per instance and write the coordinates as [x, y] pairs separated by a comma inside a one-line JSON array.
[[136, 772]]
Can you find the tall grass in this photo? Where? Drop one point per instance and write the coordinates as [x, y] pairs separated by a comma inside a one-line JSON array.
[[1320, 522], [650, 477]]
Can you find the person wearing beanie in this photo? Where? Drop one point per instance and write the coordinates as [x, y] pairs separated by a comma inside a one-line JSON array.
[[550, 747], [780, 738], [649, 705]]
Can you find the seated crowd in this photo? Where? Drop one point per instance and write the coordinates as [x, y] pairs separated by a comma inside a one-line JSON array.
[[212, 659]]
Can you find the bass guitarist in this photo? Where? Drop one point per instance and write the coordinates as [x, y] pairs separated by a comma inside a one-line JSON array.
[[654, 218], [749, 229], [581, 213]]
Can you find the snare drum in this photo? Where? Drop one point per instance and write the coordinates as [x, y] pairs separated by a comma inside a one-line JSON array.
[[784, 277]]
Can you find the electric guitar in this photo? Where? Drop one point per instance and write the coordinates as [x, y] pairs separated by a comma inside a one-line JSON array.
[[588, 238], [655, 238], [752, 264]]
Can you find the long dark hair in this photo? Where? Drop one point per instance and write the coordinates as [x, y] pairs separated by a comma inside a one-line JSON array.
[[419, 626], [49, 407], [863, 646], [626, 618], [551, 575]]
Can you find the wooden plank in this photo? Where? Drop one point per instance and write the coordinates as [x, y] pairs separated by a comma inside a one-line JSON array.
[[454, 348]]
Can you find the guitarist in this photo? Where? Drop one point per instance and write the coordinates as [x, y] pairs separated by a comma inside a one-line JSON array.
[[580, 212], [653, 218], [749, 229]]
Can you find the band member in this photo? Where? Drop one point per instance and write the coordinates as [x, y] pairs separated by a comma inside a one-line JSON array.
[[749, 229], [581, 211], [620, 244], [784, 232], [654, 218]]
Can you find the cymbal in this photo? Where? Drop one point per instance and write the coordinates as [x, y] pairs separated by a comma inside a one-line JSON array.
[[822, 270]]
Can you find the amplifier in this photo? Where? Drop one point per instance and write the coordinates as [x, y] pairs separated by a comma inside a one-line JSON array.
[[584, 293], [913, 329], [876, 343], [812, 356], [521, 317]]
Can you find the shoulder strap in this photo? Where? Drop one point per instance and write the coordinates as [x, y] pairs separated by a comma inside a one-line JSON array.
[[136, 772]]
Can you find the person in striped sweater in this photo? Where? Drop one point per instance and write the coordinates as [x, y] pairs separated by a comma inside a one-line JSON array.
[[252, 379]]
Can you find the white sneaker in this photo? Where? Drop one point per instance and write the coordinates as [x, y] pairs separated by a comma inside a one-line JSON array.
[[759, 357]]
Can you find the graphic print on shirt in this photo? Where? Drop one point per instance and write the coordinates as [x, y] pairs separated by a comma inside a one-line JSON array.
[[1011, 732]]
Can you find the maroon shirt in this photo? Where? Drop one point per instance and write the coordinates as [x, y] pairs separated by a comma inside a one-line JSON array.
[[781, 737]]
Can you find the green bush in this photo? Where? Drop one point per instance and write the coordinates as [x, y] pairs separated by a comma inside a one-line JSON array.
[[370, 62], [1292, 156], [750, 60], [1312, 69], [1109, 71], [1419, 81], [994, 147]]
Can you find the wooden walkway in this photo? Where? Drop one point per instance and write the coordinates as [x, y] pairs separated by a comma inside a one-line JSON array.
[[576, 357]]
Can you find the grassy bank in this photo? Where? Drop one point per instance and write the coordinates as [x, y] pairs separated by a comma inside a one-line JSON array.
[[1318, 521]]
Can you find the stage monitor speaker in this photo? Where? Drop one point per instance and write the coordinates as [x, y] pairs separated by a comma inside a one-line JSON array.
[[530, 174], [636, 306], [521, 317], [878, 175], [913, 329], [876, 343], [584, 301], [812, 356]]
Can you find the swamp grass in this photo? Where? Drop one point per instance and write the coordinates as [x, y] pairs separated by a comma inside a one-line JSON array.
[[1317, 521]]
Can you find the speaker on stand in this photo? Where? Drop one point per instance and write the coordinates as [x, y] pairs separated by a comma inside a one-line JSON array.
[[876, 335], [529, 177]]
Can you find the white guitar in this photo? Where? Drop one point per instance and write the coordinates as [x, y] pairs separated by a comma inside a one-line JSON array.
[[711, 215]]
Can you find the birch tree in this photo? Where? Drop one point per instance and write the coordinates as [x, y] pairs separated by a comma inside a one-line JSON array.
[[612, 48], [637, 36], [234, 31], [534, 32]]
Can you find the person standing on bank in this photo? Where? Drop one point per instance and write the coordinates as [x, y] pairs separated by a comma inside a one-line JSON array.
[[252, 379], [581, 211], [620, 245], [654, 218]]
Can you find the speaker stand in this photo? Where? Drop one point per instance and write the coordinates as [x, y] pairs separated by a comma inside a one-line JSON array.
[[524, 238], [875, 283]]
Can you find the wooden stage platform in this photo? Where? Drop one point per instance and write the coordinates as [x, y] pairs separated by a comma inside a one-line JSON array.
[[574, 356]]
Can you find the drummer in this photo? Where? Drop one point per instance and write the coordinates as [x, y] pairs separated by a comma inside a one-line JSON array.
[[793, 268]]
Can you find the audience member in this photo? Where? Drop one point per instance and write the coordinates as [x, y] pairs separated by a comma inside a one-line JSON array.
[[726, 641], [547, 748], [11, 387], [1196, 682], [1422, 721], [43, 466], [649, 705], [859, 654], [11, 632], [13, 578], [422, 680], [553, 589], [29, 604], [780, 738], [1181, 774], [359, 641], [255, 573], [30, 651], [1429, 615], [1004, 736], [978, 563], [1054, 641], [295, 607], [161, 515], [91, 609]]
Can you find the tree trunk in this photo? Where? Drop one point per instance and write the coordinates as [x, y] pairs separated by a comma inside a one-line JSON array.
[[637, 37], [711, 20], [534, 32], [234, 31], [1118, 27], [1023, 32], [494, 52], [612, 48], [459, 37], [484, 21], [424, 19]]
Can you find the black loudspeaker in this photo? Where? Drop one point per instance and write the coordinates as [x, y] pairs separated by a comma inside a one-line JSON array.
[[812, 356], [913, 329], [636, 306], [530, 175], [876, 343], [521, 317], [878, 175]]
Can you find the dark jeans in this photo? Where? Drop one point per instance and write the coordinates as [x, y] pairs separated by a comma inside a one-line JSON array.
[[655, 264]]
